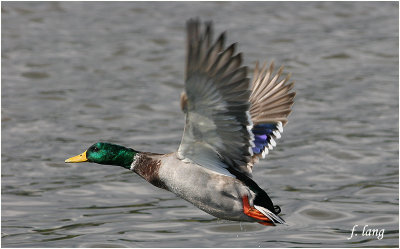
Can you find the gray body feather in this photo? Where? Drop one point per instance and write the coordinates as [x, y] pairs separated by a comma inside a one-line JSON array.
[[221, 107]]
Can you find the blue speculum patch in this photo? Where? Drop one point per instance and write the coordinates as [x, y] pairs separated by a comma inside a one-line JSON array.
[[262, 136]]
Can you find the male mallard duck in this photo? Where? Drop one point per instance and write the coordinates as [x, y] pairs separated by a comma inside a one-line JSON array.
[[230, 124]]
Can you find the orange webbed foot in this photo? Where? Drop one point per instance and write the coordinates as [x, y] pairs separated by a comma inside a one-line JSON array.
[[254, 213]]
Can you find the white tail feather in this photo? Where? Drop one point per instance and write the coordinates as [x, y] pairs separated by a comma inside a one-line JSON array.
[[273, 217]]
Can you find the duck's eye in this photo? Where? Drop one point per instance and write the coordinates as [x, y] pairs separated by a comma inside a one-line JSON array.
[[95, 149]]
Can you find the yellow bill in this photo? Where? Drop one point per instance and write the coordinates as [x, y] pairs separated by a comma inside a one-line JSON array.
[[77, 159]]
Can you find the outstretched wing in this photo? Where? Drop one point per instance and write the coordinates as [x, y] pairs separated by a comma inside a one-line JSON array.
[[271, 103], [216, 103]]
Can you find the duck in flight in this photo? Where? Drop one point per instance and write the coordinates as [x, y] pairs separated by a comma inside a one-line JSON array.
[[230, 123]]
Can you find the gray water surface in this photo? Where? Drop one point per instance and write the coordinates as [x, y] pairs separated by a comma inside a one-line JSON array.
[[75, 73]]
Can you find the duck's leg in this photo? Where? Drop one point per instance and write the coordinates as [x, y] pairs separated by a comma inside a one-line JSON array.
[[254, 213]]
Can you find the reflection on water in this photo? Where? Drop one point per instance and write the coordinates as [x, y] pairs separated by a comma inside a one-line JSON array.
[[75, 73]]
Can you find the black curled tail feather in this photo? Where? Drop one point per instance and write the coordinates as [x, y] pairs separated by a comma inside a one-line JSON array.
[[262, 199], [277, 209]]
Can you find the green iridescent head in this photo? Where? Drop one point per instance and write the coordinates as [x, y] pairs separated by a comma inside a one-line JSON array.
[[106, 153]]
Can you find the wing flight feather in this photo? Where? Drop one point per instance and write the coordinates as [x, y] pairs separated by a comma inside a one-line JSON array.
[[229, 124], [216, 103]]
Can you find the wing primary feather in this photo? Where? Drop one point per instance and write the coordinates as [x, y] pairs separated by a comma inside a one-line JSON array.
[[271, 103], [216, 103], [226, 117]]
